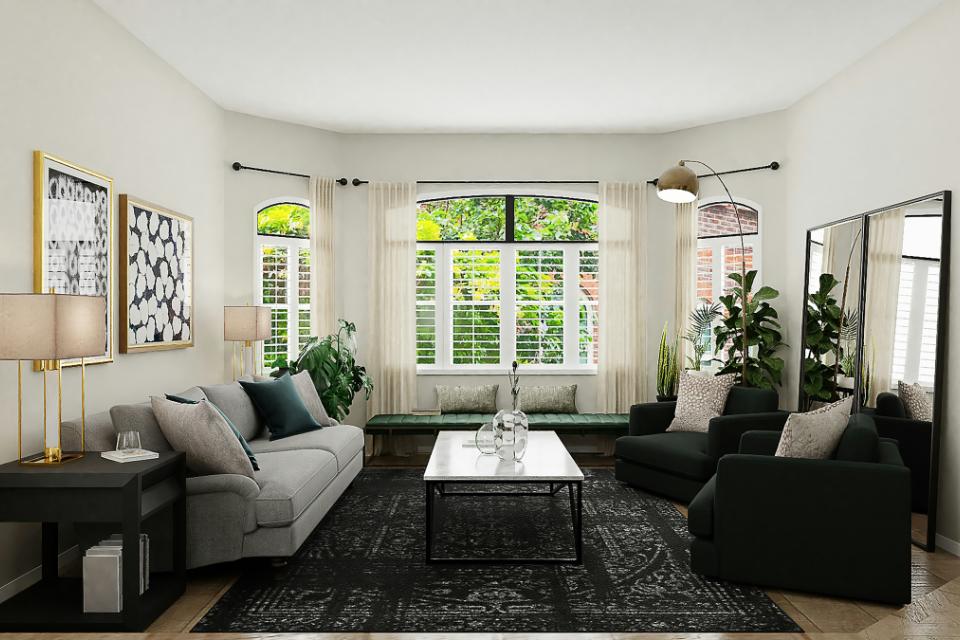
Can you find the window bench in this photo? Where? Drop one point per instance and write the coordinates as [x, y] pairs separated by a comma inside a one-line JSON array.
[[615, 424]]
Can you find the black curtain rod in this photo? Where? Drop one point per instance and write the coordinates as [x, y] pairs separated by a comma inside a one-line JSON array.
[[773, 166]]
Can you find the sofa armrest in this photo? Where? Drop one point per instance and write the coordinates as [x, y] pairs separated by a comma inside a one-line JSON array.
[[760, 443], [243, 486], [724, 432], [651, 417]]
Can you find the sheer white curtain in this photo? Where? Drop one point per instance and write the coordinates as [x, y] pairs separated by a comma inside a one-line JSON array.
[[393, 256], [621, 372], [884, 255], [828, 257], [323, 320], [685, 271]]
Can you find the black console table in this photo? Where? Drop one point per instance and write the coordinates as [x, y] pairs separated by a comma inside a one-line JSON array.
[[93, 490]]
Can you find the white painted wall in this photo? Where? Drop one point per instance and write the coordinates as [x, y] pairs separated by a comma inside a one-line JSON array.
[[883, 131], [76, 84]]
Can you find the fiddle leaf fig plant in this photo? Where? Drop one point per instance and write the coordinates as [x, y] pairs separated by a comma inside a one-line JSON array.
[[331, 363], [822, 335], [760, 366]]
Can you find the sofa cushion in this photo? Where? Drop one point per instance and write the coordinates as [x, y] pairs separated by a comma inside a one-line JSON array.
[[243, 443], [342, 440], [700, 511], [289, 483], [236, 405], [139, 417], [307, 391], [281, 407], [681, 453]]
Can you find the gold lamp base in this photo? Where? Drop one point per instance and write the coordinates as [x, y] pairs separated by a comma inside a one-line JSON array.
[[51, 456]]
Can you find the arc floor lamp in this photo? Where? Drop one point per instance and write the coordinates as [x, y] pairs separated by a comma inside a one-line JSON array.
[[679, 184]]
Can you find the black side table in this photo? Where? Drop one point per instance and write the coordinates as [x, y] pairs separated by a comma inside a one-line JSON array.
[[95, 490]]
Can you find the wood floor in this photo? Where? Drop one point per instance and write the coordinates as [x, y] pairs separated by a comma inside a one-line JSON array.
[[934, 613]]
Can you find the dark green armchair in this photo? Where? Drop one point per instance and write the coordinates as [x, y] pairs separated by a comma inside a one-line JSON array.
[[839, 527], [677, 464]]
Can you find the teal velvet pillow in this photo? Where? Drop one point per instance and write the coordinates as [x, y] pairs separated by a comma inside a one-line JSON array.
[[281, 407], [236, 432]]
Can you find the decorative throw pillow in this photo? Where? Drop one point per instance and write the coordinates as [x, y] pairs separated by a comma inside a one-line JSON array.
[[916, 401], [311, 399], [549, 399], [280, 406], [200, 431], [815, 434], [479, 399], [243, 442], [700, 398]]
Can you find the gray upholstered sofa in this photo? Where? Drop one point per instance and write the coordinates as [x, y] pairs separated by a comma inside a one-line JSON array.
[[232, 516]]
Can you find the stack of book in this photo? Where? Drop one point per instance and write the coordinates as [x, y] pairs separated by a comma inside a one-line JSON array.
[[130, 455], [103, 574]]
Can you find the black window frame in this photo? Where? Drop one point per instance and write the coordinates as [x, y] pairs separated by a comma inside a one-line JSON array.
[[510, 221]]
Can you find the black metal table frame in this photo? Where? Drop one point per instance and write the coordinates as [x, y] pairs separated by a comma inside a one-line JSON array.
[[439, 488]]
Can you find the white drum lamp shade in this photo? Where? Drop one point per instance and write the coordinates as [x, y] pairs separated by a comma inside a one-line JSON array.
[[40, 326], [246, 323]]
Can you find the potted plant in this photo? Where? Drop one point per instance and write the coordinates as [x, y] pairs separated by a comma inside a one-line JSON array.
[[331, 362], [701, 320], [668, 368], [758, 365], [821, 336]]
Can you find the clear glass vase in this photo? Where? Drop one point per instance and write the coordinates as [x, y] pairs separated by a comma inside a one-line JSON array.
[[510, 429], [484, 439]]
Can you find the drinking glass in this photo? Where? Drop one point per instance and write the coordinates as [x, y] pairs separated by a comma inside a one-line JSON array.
[[128, 441]]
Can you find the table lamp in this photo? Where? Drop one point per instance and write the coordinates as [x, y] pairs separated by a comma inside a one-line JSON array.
[[244, 325], [51, 327]]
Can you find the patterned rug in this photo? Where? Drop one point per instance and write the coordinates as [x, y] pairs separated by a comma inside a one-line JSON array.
[[363, 569]]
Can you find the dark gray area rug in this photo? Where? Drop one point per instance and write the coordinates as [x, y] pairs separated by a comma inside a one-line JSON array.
[[363, 569]]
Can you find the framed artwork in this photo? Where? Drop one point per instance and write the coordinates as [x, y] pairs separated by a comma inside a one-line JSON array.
[[73, 236], [156, 277]]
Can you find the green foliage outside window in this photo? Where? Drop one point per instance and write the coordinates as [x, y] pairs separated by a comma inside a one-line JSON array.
[[550, 219], [286, 219]]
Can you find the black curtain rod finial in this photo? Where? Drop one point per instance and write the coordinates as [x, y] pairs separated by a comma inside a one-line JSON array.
[[341, 181], [237, 166], [774, 165]]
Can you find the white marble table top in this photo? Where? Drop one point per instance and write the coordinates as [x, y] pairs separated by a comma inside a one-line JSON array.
[[546, 460]]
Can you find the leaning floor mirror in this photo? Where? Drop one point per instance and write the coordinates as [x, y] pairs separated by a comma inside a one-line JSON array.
[[831, 324], [903, 320]]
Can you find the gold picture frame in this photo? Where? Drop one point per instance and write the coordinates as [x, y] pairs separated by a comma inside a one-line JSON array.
[[73, 237], [156, 247]]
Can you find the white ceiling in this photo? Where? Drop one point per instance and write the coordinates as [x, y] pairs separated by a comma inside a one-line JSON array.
[[510, 65]]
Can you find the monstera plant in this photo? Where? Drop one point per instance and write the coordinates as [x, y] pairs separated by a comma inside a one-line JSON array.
[[759, 366], [331, 363]]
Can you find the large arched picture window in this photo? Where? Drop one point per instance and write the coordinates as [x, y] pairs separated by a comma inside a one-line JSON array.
[[283, 274], [718, 253], [503, 278]]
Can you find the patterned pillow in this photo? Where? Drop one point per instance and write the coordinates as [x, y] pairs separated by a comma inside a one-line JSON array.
[[550, 399], [699, 399], [916, 401], [815, 434], [479, 399]]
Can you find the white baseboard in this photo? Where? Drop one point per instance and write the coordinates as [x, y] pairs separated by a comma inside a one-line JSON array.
[[33, 576], [948, 545]]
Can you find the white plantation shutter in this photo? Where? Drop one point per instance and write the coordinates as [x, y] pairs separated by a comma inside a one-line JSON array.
[[588, 298], [274, 292], [426, 306], [901, 336], [303, 297], [928, 333], [915, 338], [475, 306], [540, 306]]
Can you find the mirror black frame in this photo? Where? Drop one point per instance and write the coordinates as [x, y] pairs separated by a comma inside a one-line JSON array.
[[929, 542]]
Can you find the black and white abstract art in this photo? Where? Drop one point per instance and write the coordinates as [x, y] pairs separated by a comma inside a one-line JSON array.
[[156, 277], [73, 210]]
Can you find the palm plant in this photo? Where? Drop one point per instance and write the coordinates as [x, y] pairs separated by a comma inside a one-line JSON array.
[[701, 321]]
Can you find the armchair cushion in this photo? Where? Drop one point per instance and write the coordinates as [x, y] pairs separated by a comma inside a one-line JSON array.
[[751, 400], [682, 453], [651, 417], [699, 399]]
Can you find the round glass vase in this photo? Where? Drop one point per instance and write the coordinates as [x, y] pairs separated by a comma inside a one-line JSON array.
[[510, 429], [484, 439]]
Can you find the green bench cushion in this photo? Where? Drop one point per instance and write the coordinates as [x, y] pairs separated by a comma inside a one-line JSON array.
[[615, 423]]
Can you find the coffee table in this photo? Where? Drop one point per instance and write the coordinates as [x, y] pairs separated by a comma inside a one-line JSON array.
[[546, 462]]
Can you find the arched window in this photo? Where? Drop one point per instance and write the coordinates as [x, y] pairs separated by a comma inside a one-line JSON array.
[[718, 253], [283, 274], [507, 277]]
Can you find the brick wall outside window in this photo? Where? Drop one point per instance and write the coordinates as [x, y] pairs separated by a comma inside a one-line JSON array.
[[718, 219], [705, 274]]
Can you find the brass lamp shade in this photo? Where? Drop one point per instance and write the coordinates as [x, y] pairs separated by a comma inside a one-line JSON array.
[[40, 326], [678, 184], [246, 323]]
